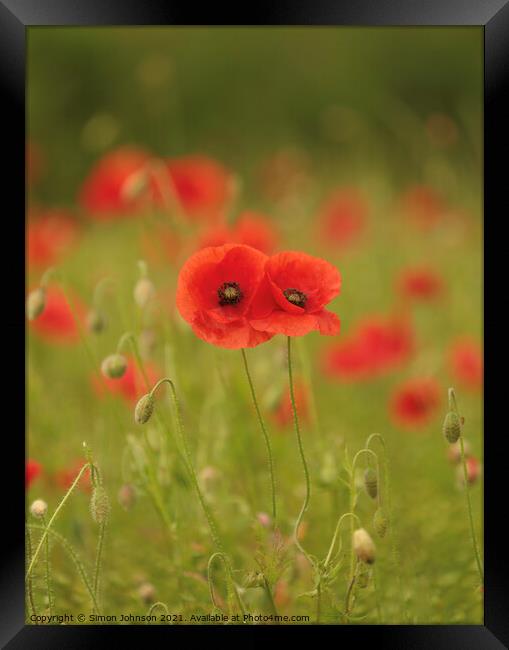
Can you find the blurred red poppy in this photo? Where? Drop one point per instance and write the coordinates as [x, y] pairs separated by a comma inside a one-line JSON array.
[[131, 386], [251, 228], [378, 344], [66, 477], [342, 217], [216, 291], [50, 233], [423, 205], [420, 283], [466, 363], [283, 415], [415, 402], [294, 295], [103, 193], [56, 324], [33, 469], [203, 186]]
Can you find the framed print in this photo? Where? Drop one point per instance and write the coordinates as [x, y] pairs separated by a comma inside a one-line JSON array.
[[256, 301]]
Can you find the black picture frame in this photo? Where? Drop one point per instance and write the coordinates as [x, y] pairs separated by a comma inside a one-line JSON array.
[[493, 17]]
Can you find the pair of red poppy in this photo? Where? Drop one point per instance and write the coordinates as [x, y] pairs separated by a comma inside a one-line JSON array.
[[236, 297]]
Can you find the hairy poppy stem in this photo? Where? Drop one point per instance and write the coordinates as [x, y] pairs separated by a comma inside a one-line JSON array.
[[29, 557], [453, 406], [229, 571], [302, 456], [265, 435], [189, 463], [48, 572], [353, 501], [47, 528], [392, 526]]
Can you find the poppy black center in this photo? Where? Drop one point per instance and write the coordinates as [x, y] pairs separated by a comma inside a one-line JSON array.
[[295, 296], [229, 293]]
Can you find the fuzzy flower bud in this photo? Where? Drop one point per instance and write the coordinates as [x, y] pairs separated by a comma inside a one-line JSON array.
[[114, 366], [363, 546], [371, 482], [39, 508], [452, 427], [144, 292], [36, 302], [127, 496], [380, 523], [95, 321], [99, 505], [144, 409]]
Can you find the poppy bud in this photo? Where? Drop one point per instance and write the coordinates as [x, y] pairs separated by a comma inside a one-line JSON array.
[[36, 302], [99, 505], [371, 482], [380, 523], [452, 427], [95, 321], [39, 508], [144, 292], [363, 546], [144, 409], [114, 366], [127, 496], [147, 592]]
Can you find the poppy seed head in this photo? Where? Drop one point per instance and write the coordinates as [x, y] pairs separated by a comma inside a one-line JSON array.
[[229, 293], [295, 296]]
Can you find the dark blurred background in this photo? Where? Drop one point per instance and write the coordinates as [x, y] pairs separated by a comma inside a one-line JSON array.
[[355, 97]]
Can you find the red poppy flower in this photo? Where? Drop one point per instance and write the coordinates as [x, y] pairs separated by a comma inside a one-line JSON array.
[[378, 344], [216, 293], [283, 416], [293, 297], [420, 283], [415, 402], [466, 363], [343, 217], [423, 205], [56, 324], [103, 192], [66, 477], [32, 470], [49, 234], [251, 229], [202, 185], [131, 386]]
